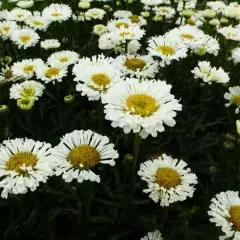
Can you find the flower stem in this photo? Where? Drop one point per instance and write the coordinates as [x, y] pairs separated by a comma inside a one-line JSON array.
[[137, 142]]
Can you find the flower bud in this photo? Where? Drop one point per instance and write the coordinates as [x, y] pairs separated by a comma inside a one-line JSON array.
[[25, 4], [224, 21], [214, 22], [208, 13], [68, 99], [187, 13], [84, 4], [145, 14], [25, 103], [4, 110]]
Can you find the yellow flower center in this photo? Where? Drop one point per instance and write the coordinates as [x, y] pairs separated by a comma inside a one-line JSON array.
[[20, 15], [25, 38], [6, 29], [63, 59], [84, 157], [236, 100], [38, 23], [166, 50], [134, 64], [190, 21], [141, 104], [229, 35], [122, 24], [28, 92], [18, 160], [234, 218], [167, 177], [56, 14], [29, 68], [134, 19], [102, 80], [52, 72], [164, 11], [187, 36], [126, 34]]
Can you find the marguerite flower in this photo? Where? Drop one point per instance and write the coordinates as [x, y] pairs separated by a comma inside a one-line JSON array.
[[18, 14], [230, 32], [95, 81], [6, 29], [122, 14], [95, 13], [57, 12], [99, 29], [27, 89], [50, 44], [169, 180], [210, 74], [80, 153], [137, 20], [236, 55], [26, 68], [51, 73], [168, 48], [141, 107], [218, 6], [225, 212], [154, 235], [63, 58], [24, 163], [25, 37], [167, 12], [136, 66], [6, 74], [233, 96], [37, 22]]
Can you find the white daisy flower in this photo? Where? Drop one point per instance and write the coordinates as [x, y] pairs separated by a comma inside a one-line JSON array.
[[24, 163], [6, 29], [95, 13], [25, 37], [151, 3], [210, 74], [206, 44], [169, 180], [230, 32], [95, 81], [26, 68], [225, 212], [99, 29], [232, 12], [25, 3], [117, 23], [50, 44], [57, 12], [27, 89], [18, 14], [183, 4], [168, 48], [217, 6], [233, 96], [79, 152], [51, 73], [167, 12], [63, 58], [141, 107], [136, 66], [122, 14], [188, 34], [37, 22], [6, 74], [141, 21], [154, 235], [4, 14], [236, 55]]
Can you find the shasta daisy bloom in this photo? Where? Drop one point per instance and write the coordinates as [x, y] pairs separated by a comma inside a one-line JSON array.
[[141, 107], [6, 28], [24, 163], [236, 55], [37, 22], [206, 44], [138, 20], [122, 14], [95, 13], [80, 153], [51, 73], [6, 74], [168, 48], [210, 74], [99, 29], [225, 212], [50, 44], [151, 3], [25, 37], [63, 58], [26, 68], [57, 12], [232, 12], [218, 6], [117, 23], [18, 14], [233, 96], [136, 66], [154, 235], [169, 180], [230, 32], [27, 89], [167, 12], [95, 81]]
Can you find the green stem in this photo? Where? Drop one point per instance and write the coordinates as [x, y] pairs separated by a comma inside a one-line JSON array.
[[137, 142]]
